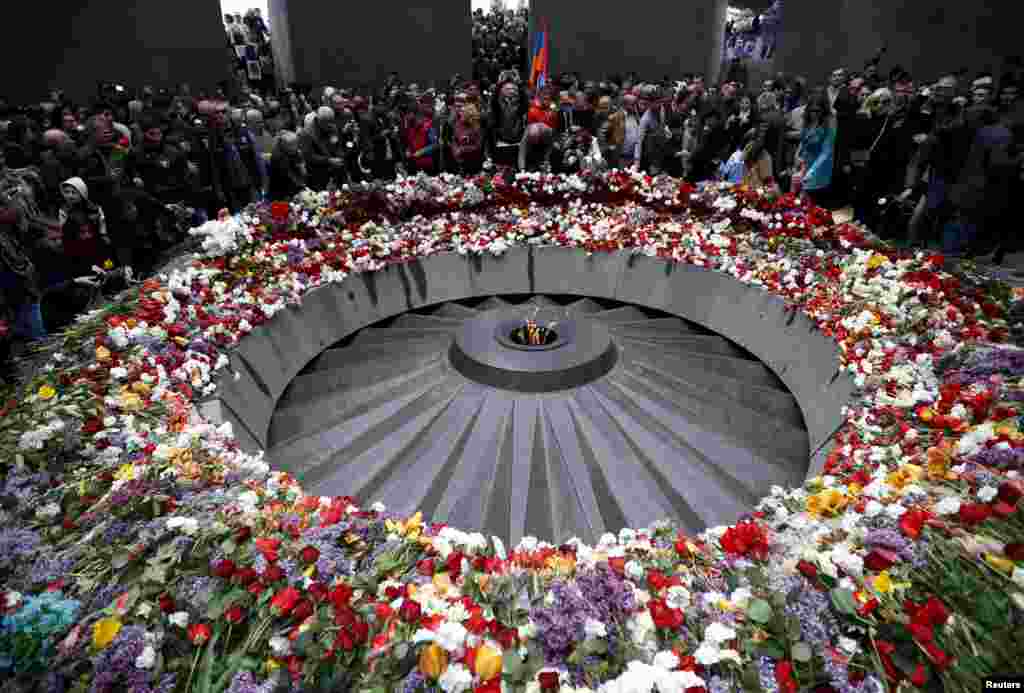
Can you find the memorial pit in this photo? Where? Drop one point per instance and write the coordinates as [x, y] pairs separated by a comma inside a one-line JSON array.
[[151, 540]]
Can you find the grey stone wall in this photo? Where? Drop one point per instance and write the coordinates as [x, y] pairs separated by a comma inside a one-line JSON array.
[[654, 39], [268, 359], [72, 45]]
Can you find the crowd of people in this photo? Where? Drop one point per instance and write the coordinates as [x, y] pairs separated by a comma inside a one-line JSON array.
[[89, 187], [499, 42]]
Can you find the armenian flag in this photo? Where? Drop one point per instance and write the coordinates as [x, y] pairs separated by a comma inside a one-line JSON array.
[[539, 63]]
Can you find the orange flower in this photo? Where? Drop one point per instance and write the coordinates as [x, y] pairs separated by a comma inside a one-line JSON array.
[[905, 475], [433, 661]]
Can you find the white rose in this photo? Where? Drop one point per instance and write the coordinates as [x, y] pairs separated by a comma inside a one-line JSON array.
[[666, 660], [719, 633], [594, 628], [147, 659], [987, 493], [947, 506]]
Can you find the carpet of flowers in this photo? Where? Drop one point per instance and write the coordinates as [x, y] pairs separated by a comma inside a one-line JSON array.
[[141, 550]]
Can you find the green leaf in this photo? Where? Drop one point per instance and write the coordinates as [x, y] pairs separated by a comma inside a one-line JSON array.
[[844, 601], [802, 652], [595, 646], [770, 649], [793, 627], [204, 680], [759, 611], [751, 679], [512, 665]]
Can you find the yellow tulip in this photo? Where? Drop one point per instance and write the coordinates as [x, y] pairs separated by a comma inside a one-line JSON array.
[[105, 630], [883, 583], [47, 392], [877, 260], [433, 661], [487, 663], [1004, 565]]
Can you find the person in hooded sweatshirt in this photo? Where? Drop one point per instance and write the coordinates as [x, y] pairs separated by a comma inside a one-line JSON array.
[[85, 240]]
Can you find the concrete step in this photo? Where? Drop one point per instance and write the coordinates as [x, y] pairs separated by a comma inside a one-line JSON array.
[[769, 401], [655, 326], [306, 418], [355, 355], [357, 374], [684, 343], [361, 461], [775, 438], [754, 372]]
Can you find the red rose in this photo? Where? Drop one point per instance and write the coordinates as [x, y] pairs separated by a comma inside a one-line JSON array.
[[341, 595], [454, 564], [345, 641], [807, 569], [383, 611], [268, 547], [663, 616], [234, 615], [1003, 510], [656, 581], [361, 631], [936, 611], [242, 533], [912, 521], [310, 555], [344, 616], [410, 611], [273, 573], [1014, 551], [920, 675], [279, 211], [507, 637], [224, 568], [284, 601], [878, 561], [317, 591], [302, 611], [425, 567], [1010, 492], [974, 513], [784, 677], [746, 539], [244, 576], [166, 603], [548, 680]]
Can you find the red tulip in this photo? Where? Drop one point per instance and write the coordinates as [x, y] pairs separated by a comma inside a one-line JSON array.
[[224, 568], [310, 555], [410, 611], [317, 591], [199, 633], [235, 614], [974, 513], [807, 569], [548, 680], [284, 601]]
